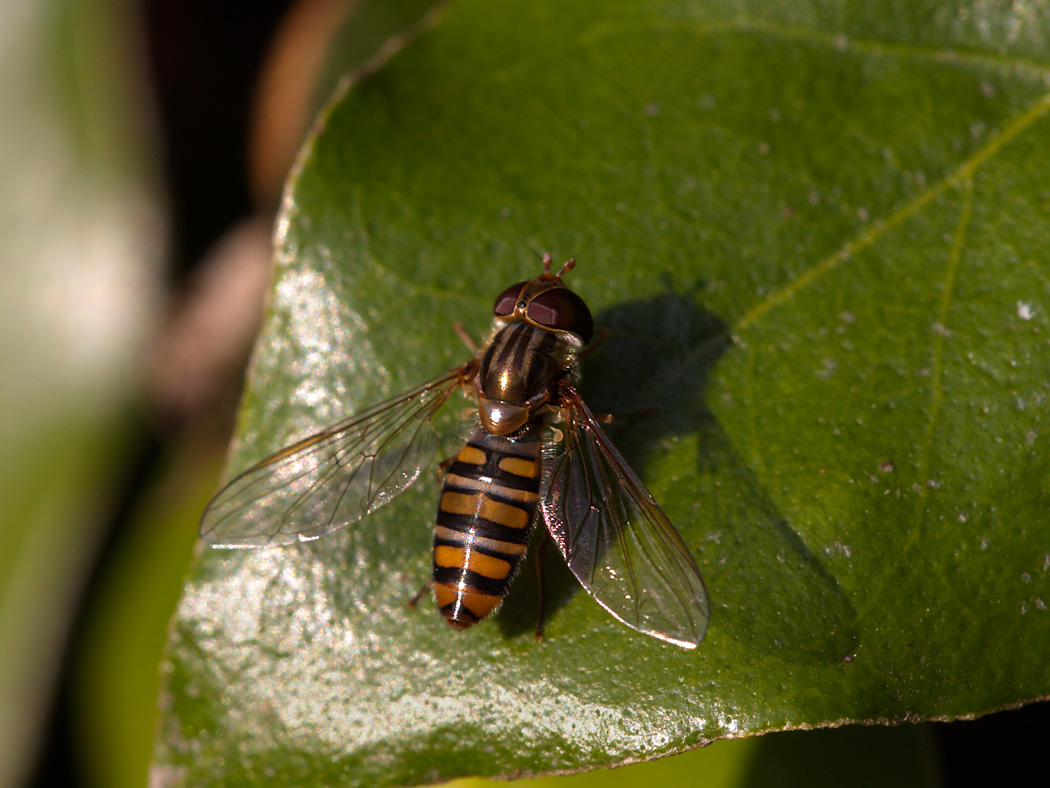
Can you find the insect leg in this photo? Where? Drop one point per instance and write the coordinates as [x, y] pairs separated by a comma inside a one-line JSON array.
[[442, 468], [464, 335], [421, 593], [596, 343]]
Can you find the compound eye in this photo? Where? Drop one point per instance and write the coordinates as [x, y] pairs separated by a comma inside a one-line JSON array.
[[507, 300], [563, 310]]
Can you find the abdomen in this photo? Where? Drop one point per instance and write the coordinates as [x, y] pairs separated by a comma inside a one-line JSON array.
[[484, 520]]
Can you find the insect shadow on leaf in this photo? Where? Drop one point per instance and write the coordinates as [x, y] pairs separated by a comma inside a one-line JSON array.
[[768, 589]]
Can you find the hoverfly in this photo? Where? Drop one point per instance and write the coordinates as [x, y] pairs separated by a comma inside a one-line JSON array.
[[613, 536]]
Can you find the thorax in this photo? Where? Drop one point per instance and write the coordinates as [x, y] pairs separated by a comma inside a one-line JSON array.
[[519, 373]]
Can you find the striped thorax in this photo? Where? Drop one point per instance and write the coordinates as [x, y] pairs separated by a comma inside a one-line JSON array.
[[540, 326]]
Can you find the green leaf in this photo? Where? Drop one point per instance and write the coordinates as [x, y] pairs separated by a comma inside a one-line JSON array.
[[123, 633], [817, 233]]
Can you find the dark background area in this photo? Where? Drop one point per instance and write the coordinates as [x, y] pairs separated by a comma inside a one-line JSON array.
[[205, 60]]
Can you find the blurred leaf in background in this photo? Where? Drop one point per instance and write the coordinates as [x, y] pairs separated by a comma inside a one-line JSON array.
[[818, 238], [83, 234]]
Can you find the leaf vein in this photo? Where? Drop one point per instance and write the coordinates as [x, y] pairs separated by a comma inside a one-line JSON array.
[[940, 334], [961, 175]]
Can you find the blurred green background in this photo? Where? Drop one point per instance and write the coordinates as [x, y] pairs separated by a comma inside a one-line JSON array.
[[143, 147]]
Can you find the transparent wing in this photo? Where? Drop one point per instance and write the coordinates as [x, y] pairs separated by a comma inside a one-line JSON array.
[[333, 478], [616, 540]]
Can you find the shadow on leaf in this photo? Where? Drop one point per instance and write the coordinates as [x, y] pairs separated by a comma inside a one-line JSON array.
[[768, 589]]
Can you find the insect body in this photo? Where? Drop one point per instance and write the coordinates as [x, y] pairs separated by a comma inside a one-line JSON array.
[[614, 538], [485, 516]]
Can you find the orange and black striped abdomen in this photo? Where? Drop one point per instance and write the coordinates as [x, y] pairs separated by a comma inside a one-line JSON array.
[[483, 524]]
